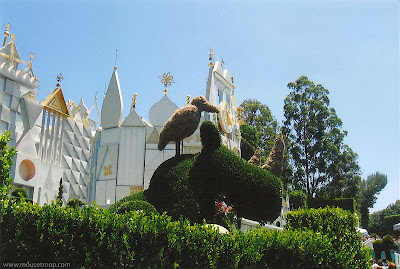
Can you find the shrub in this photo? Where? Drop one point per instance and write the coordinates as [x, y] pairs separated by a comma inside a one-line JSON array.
[[139, 196], [137, 205], [339, 225], [210, 136], [19, 191], [297, 199], [75, 203], [95, 238], [189, 185]]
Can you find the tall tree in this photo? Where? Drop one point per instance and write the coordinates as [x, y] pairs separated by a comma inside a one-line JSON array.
[[260, 117], [319, 156], [250, 141], [369, 190]]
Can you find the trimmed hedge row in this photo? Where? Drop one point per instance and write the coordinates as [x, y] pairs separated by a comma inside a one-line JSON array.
[[93, 237], [339, 226], [344, 203]]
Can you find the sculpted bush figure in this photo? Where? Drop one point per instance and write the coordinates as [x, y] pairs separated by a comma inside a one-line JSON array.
[[184, 122]]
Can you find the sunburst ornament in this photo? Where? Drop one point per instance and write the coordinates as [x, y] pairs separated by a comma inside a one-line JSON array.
[[167, 80]]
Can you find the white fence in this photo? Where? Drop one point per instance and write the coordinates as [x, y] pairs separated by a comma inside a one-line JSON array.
[[397, 260]]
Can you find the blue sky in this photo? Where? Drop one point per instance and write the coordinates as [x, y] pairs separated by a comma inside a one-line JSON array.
[[350, 47]]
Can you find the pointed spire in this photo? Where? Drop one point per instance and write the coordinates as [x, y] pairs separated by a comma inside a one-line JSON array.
[[111, 110]]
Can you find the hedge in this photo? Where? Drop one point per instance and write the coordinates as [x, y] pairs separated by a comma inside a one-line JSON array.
[[339, 225], [344, 203], [139, 196], [94, 237], [297, 199]]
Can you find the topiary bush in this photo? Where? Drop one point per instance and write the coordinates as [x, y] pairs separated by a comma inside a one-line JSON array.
[[137, 205], [189, 185], [75, 203], [19, 191], [297, 200], [339, 225], [139, 196]]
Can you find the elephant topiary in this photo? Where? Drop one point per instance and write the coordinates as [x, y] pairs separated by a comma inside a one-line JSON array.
[[385, 244]]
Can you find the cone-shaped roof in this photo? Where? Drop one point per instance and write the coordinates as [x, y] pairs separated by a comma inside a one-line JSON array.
[[111, 110]]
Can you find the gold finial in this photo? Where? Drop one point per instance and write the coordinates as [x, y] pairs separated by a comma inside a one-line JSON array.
[[6, 32], [187, 99], [134, 101], [12, 36], [31, 57], [59, 78], [222, 61], [167, 80], [211, 58], [115, 67]]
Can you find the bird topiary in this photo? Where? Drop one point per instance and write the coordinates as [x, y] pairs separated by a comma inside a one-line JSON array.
[[190, 185]]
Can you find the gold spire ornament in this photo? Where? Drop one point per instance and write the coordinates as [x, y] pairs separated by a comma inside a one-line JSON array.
[[134, 101], [59, 78], [211, 58], [6, 32], [187, 99], [167, 80]]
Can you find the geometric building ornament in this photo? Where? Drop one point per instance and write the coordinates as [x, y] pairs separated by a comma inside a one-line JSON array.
[[55, 102]]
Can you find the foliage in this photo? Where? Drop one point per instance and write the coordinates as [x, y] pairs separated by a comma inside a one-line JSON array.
[[93, 237], [377, 219], [250, 141], [60, 193], [390, 221], [76, 203], [297, 200], [6, 162], [210, 136], [259, 116], [188, 186], [339, 225], [145, 207], [19, 191], [138, 196], [320, 158], [385, 244], [343, 203], [369, 189]]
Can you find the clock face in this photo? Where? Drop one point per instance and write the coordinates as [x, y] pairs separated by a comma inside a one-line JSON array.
[[226, 117]]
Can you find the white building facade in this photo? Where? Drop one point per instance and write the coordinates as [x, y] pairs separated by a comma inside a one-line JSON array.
[[57, 142]]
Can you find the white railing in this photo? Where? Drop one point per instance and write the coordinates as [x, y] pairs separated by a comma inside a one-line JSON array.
[[397, 260]]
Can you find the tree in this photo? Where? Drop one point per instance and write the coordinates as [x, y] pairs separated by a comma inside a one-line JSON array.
[[250, 141], [259, 116], [320, 159], [369, 190], [376, 222]]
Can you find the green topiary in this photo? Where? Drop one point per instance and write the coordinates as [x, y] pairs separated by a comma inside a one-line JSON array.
[[189, 185], [136, 205], [337, 224], [385, 244], [297, 200], [139, 196], [75, 203], [210, 136], [19, 191]]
